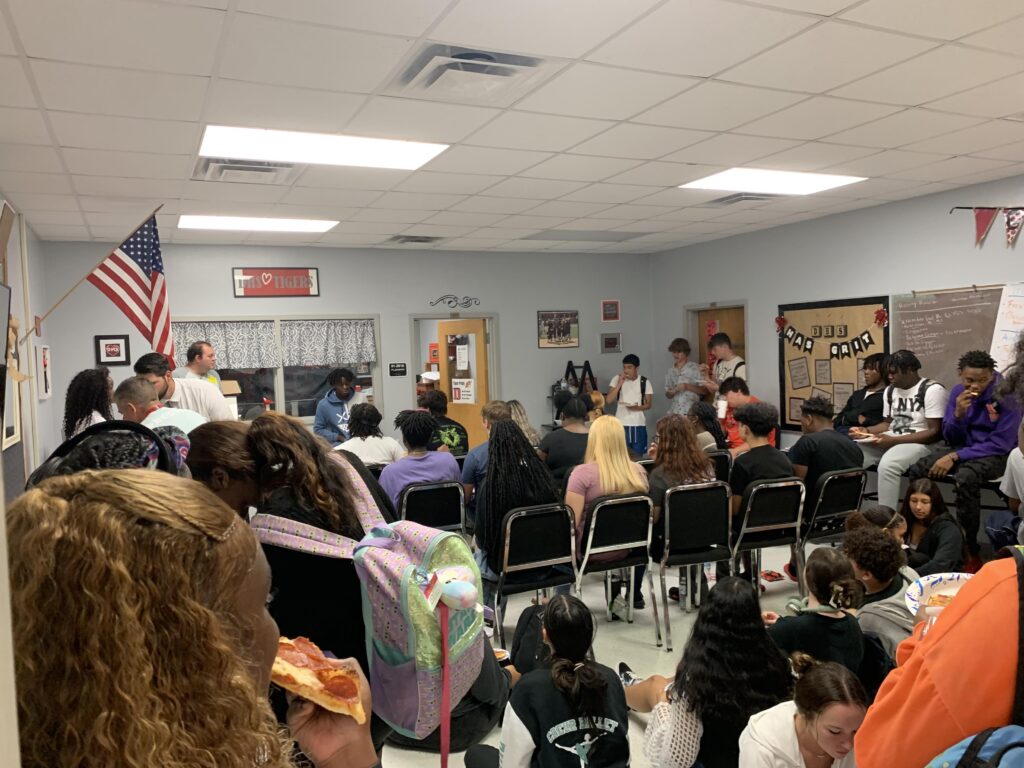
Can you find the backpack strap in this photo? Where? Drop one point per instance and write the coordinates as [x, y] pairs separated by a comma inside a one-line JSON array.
[[1018, 696], [366, 508], [643, 389], [289, 534]]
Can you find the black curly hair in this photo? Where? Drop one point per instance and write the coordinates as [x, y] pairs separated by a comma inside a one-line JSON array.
[[818, 406], [705, 414], [731, 669], [364, 421], [89, 391], [903, 360], [417, 428], [976, 358], [874, 550], [759, 418]]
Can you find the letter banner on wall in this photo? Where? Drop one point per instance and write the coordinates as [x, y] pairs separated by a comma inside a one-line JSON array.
[[275, 281], [821, 348]]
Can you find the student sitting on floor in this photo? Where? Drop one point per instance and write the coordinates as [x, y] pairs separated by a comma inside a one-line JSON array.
[[729, 670], [934, 537], [877, 516], [824, 629]]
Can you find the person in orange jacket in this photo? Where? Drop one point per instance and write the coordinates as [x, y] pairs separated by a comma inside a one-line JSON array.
[[958, 680]]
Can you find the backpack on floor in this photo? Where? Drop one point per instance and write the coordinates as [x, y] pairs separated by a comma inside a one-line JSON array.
[[423, 659], [1002, 747]]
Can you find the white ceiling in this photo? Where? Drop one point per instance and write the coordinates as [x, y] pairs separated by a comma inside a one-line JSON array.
[[103, 104]]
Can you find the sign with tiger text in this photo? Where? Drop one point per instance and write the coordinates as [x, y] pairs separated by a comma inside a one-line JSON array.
[[263, 282]]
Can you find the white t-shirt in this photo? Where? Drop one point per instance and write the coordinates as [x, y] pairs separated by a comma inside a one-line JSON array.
[[907, 412], [630, 395], [201, 397], [770, 741], [182, 418], [374, 451], [725, 369]]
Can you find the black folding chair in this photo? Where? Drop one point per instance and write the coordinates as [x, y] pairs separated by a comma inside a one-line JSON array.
[[537, 552], [723, 464], [617, 524], [436, 505], [647, 464], [836, 494], [770, 516], [698, 530]]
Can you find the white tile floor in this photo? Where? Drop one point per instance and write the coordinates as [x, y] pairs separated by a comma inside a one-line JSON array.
[[618, 641]]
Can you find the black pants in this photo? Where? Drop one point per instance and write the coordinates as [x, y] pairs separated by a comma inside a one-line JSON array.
[[969, 476], [481, 756]]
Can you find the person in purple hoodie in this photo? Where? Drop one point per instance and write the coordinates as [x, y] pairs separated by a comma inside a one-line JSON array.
[[420, 465], [980, 430]]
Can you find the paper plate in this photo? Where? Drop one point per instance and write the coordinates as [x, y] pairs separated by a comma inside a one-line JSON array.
[[934, 584]]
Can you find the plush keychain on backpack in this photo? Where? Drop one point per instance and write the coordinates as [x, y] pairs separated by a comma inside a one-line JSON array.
[[458, 587]]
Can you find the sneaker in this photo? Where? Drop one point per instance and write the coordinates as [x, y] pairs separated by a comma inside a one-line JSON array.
[[627, 676], [673, 594], [790, 571], [618, 607], [638, 602]]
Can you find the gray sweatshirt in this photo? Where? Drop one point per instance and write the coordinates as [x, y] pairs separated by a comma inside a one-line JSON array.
[[889, 618]]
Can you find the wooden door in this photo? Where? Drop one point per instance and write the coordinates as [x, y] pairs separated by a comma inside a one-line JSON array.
[[729, 320], [463, 346]]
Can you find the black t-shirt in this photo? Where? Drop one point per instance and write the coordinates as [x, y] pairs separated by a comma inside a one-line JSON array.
[[823, 637], [823, 452], [450, 433], [761, 463], [564, 450]]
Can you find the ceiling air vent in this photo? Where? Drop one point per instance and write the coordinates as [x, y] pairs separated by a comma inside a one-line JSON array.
[[740, 197], [245, 171], [413, 240], [467, 75]]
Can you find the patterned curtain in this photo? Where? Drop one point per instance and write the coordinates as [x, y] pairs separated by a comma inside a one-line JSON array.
[[328, 343], [244, 344]]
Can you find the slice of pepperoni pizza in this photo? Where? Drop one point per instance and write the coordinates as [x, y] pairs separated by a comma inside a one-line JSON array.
[[302, 668]]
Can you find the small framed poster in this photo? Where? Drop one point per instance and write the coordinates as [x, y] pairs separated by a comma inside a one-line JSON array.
[[112, 350], [44, 372], [610, 311], [275, 281], [611, 342], [558, 328]]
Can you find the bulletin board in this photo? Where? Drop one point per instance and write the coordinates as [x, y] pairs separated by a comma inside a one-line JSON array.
[[821, 348]]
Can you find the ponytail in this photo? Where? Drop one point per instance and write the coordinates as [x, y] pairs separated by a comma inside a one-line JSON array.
[[582, 684], [829, 577], [570, 632], [821, 684]]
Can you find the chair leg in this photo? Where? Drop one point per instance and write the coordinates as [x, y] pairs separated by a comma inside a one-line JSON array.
[[654, 606], [668, 620], [608, 595], [499, 627], [801, 563], [629, 599]]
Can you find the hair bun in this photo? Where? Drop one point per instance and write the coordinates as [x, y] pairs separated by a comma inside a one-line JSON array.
[[802, 663]]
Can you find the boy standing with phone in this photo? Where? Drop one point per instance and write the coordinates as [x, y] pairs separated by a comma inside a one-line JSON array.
[[634, 397]]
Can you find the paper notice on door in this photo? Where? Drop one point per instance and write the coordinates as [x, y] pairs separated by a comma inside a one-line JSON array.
[[462, 357], [463, 391]]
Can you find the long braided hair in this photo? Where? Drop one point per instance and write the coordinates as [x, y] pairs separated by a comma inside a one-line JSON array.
[[89, 391]]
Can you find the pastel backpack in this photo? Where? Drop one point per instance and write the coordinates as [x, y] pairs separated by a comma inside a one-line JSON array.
[[424, 622]]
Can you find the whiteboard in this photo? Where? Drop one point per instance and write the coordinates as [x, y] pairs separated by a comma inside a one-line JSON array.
[[1009, 324]]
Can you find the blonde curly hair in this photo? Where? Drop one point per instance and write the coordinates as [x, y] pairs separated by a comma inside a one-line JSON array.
[[128, 647]]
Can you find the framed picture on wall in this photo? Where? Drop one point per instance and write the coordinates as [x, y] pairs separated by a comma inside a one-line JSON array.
[[43, 371], [112, 350], [610, 311], [611, 342], [558, 329]]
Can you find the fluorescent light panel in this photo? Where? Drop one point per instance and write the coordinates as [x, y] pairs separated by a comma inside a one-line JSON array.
[[316, 148], [771, 182], [252, 224]]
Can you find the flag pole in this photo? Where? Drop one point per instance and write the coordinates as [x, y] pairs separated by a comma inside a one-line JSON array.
[[74, 287]]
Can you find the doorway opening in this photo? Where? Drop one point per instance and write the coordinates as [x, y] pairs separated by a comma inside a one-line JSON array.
[[705, 322]]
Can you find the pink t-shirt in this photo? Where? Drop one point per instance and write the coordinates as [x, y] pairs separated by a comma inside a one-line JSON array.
[[586, 481]]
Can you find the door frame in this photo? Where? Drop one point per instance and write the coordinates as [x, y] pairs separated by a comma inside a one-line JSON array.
[[493, 369], [692, 323]]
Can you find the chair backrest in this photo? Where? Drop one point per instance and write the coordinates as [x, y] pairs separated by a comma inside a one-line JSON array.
[[376, 469], [771, 513], [698, 520], [723, 464], [435, 505], [617, 523], [540, 536], [836, 495], [647, 464]]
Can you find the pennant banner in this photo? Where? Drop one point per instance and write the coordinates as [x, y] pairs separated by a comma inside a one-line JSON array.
[[1014, 220], [857, 345], [983, 220]]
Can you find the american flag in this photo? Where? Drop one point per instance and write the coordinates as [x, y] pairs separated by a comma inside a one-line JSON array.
[[132, 277]]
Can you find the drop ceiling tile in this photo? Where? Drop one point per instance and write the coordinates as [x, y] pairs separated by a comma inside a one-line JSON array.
[[22, 157], [282, 238], [465, 219], [730, 149], [240, 192], [506, 233], [264, 50], [568, 28], [944, 19], [881, 189], [388, 215], [817, 117], [636, 211], [884, 163], [123, 220], [408, 18], [138, 205], [580, 167], [567, 209], [35, 183], [122, 187], [6, 44], [122, 134], [904, 127], [504, 162], [937, 73], [660, 174], [526, 130], [686, 215], [1003, 37], [575, 247], [417, 201], [122, 92], [608, 193], [319, 196], [228, 208], [716, 106], [352, 227], [469, 244], [22, 126], [531, 221], [237, 103], [347, 177], [987, 100], [14, 88], [54, 218], [119, 33], [393, 118], [336, 238], [452, 183], [994, 133], [592, 225], [817, 7], [51, 232], [838, 55], [812, 156], [639, 142], [1013, 169], [537, 189], [95, 162], [947, 170], [699, 37], [1013, 152], [593, 90], [481, 204], [683, 197], [437, 230], [329, 212], [916, 191], [647, 226], [747, 217]]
